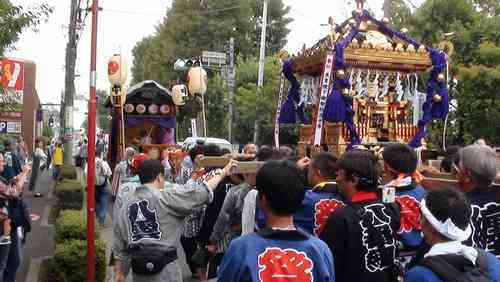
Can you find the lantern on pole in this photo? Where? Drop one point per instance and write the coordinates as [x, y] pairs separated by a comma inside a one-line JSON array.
[[197, 84], [197, 80], [117, 75]]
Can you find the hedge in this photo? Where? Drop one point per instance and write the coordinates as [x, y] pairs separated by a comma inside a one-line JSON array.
[[71, 225], [70, 194], [70, 261], [68, 172]]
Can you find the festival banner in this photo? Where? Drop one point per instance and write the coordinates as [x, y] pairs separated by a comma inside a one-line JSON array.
[[278, 111], [11, 87], [325, 82]]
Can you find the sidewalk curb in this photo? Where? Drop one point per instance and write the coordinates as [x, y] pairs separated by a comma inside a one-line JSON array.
[[45, 217], [47, 208], [34, 268]]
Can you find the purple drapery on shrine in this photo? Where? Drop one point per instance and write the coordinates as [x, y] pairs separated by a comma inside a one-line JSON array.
[[165, 122], [432, 110], [339, 108], [291, 107]]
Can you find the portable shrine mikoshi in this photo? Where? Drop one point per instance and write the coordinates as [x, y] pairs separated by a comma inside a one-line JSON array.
[[148, 109], [359, 85]]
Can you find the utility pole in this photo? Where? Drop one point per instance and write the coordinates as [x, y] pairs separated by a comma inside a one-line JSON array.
[[230, 84], [69, 87], [262, 61], [61, 117], [91, 149]]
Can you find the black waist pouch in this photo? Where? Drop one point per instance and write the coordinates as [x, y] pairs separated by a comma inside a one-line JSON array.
[[150, 259]]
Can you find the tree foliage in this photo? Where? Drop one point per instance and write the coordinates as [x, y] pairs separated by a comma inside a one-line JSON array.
[[397, 11], [14, 19], [249, 98], [189, 29], [475, 62], [103, 121]]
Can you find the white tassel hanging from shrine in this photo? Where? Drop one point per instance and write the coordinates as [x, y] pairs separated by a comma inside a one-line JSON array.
[[417, 106], [360, 90], [351, 81], [375, 86], [408, 89], [399, 88], [385, 89]]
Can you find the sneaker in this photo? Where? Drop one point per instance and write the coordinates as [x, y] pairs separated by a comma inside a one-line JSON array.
[[5, 240], [38, 195]]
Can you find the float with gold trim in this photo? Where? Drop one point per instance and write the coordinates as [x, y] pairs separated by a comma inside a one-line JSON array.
[[359, 85], [144, 115]]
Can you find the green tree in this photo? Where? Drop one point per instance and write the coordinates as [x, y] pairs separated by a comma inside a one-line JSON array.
[[475, 61], [103, 120], [436, 17], [188, 29], [47, 130], [216, 104], [488, 7], [248, 97], [14, 19], [397, 12]]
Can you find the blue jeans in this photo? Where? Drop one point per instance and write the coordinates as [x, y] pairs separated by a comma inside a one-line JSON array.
[[57, 172], [101, 201], [4, 256], [15, 258]]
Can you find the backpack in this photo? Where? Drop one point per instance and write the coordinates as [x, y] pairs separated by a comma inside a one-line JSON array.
[[456, 268], [100, 178]]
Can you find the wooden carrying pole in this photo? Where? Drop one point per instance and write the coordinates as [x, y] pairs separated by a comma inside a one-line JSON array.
[[243, 167]]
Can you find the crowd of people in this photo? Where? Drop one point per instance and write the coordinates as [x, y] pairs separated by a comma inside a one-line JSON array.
[[14, 216], [364, 216]]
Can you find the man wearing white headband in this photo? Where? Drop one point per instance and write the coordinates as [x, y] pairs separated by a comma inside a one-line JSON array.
[[445, 224]]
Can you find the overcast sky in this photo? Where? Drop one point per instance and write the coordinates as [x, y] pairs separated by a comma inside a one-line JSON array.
[[124, 22]]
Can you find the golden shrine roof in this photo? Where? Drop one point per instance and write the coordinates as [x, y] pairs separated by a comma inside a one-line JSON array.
[[370, 49]]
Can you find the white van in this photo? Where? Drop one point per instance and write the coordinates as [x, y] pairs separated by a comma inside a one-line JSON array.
[[221, 143]]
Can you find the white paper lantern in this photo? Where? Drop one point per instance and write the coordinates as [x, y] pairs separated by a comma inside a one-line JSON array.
[[197, 80], [117, 70], [179, 94]]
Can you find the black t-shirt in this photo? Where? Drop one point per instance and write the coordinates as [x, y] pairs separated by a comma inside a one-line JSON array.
[[350, 235], [485, 219], [212, 211]]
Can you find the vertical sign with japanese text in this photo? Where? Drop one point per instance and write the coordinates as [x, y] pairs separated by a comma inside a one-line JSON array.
[[325, 87], [193, 128]]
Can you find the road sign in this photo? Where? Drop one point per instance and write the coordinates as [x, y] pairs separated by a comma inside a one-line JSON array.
[[14, 127], [213, 59]]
